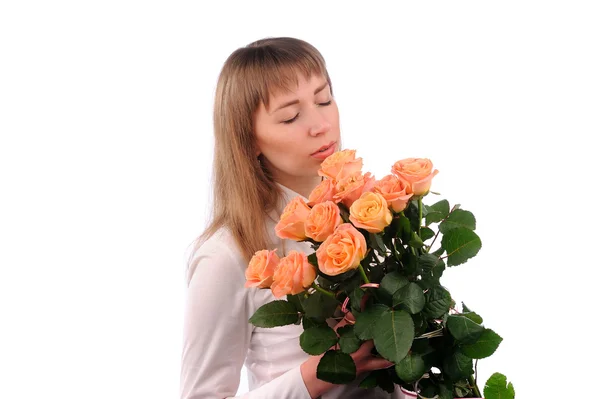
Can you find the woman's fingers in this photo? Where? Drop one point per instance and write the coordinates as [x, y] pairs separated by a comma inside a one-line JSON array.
[[366, 361], [366, 347], [378, 363]]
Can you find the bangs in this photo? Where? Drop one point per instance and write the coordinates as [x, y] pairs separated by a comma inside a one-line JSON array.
[[274, 70], [284, 80]]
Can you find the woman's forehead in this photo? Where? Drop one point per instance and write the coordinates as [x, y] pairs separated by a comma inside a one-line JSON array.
[[286, 89]]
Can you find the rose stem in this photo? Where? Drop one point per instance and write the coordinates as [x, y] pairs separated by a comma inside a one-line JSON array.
[[323, 290], [363, 274], [474, 385], [420, 216]]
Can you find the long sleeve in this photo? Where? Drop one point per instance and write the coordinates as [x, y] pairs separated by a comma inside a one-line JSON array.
[[217, 333]]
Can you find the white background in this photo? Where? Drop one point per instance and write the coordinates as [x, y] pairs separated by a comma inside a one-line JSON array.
[[105, 156]]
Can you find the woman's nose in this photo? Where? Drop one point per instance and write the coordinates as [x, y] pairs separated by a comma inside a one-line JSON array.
[[319, 126]]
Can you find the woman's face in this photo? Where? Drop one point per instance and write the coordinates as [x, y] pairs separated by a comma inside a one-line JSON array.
[[292, 130]]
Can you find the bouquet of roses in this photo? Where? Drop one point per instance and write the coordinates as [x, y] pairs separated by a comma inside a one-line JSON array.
[[376, 256]]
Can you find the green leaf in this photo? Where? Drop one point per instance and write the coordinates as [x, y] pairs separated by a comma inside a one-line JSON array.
[[376, 241], [320, 306], [437, 302], [473, 316], [437, 212], [445, 392], [412, 213], [496, 388], [317, 340], [336, 367], [426, 233], [457, 366], [393, 335], [484, 347], [426, 262], [462, 388], [411, 368], [438, 269], [461, 244], [411, 298], [464, 329], [410, 263], [355, 298], [392, 282], [369, 382], [312, 259], [420, 323], [404, 229], [349, 342], [470, 314], [415, 241], [295, 300], [307, 323], [458, 218], [365, 321], [275, 314]]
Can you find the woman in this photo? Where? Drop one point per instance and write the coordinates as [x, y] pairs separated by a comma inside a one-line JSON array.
[[275, 120]]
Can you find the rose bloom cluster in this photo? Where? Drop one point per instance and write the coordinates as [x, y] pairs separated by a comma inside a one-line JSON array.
[[371, 204]]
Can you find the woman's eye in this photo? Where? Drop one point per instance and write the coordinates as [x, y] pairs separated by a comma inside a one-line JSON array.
[[296, 117], [291, 120]]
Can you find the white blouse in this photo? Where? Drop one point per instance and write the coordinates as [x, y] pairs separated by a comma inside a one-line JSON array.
[[218, 339]]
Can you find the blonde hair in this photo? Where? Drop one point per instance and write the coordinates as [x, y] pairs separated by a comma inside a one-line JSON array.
[[244, 192]]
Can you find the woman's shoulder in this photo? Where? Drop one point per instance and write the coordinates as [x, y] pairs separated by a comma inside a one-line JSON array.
[[218, 253]]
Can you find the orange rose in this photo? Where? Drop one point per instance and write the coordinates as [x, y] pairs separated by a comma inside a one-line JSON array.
[[340, 165], [293, 275], [396, 191], [370, 212], [322, 220], [259, 272], [291, 222], [416, 171], [352, 187], [342, 251], [323, 192]]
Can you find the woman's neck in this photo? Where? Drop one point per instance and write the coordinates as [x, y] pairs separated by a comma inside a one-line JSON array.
[[302, 186]]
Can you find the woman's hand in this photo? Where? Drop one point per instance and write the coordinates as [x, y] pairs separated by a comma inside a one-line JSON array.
[[363, 358]]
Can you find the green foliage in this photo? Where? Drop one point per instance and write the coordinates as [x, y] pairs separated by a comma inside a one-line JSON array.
[[485, 346], [336, 367], [460, 244], [496, 387], [349, 342], [275, 314], [393, 334], [365, 321], [404, 308], [317, 340]]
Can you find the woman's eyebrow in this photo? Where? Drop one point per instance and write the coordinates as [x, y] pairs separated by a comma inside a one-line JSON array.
[[324, 85], [287, 104]]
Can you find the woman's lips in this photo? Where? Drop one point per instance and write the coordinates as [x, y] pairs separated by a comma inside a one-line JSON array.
[[325, 151]]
